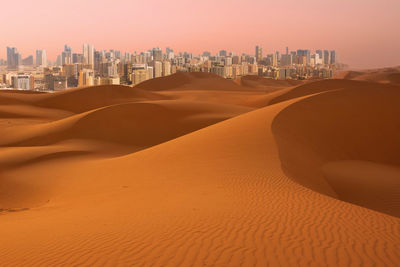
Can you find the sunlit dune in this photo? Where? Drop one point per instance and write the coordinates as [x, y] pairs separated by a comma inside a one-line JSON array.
[[195, 170]]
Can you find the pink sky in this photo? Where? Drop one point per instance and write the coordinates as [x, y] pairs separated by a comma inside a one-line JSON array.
[[366, 33]]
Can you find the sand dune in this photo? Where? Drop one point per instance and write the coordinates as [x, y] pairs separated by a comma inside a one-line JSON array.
[[354, 123], [189, 80], [270, 85], [140, 124], [310, 180], [386, 75], [85, 99]]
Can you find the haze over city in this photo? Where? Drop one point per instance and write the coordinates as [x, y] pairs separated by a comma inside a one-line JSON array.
[[363, 32]]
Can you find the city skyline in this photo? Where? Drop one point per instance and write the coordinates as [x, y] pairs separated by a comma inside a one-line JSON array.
[[87, 50], [90, 67], [347, 26]]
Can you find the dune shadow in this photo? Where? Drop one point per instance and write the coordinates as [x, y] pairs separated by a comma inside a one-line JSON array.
[[327, 142]]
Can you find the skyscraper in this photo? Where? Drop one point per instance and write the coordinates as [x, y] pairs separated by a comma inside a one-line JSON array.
[[13, 58], [327, 58], [157, 54], [275, 59], [259, 53], [286, 60], [28, 61], [41, 58], [157, 65], [333, 57], [222, 53], [88, 55], [304, 56], [166, 68], [66, 55]]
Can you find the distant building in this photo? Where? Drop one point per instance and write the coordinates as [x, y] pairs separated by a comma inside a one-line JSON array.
[[283, 73], [23, 82], [333, 59], [86, 78], [327, 57], [228, 61], [166, 68], [157, 54], [56, 82], [157, 65], [107, 81], [275, 59], [304, 57], [139, 75], [41, 58], [259, 53], [218, 70], [88, 55], [222, 53], [320, 54], [77, 58], [28, 61], [286, 60], [13, 58], [66, 55]]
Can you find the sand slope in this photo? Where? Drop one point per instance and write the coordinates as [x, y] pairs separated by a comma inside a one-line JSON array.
[[137, 124], [354, 123], [224, 195], [270, 85], [189, 80], [386, 75]]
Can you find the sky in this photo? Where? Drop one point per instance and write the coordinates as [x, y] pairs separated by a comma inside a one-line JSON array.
[[365, 33]]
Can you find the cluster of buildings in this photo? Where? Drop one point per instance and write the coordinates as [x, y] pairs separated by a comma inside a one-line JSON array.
[[100, 67]]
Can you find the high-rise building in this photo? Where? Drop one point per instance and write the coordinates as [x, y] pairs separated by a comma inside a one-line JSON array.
[[286, 60], [59, 60], [327, 58], [259, 53], [333, 57], [13, 58], [28, 61], [88, 55], [319, 52], [77, 58], [139, 75], [86, 78], [166, 68], [157, 65], [236, 60], [157, 54], [275, 59], [304, 56], [222, 53], [41, 58], [66, 55]]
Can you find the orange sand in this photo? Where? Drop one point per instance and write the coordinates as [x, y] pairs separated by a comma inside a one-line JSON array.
[[207, 172]]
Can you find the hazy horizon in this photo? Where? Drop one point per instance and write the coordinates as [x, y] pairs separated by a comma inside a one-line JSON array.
[[362, 32]]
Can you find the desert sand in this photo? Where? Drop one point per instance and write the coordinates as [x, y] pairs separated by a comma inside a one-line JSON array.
[[195, 170]]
